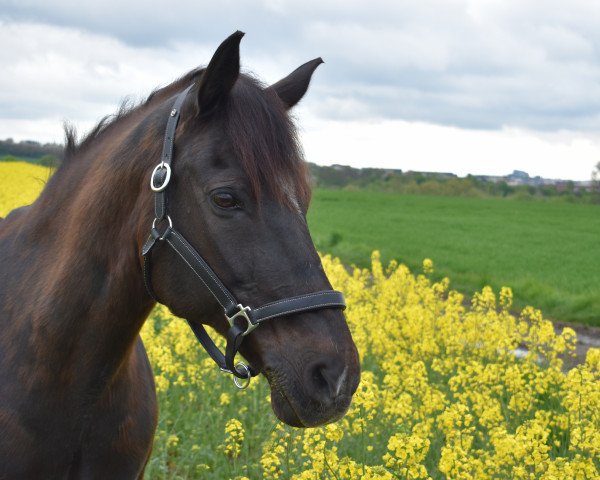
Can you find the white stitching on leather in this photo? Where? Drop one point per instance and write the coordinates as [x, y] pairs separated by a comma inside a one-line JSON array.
[[202, 264], [308, 295], [146, 277], [288, 312]]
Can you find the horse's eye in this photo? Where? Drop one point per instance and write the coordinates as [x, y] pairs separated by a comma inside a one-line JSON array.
[[225, 200]]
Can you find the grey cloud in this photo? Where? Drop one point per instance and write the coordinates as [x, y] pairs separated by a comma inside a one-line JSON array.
[[477, 65]]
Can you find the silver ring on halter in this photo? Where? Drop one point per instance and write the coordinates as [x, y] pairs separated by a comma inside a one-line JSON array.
[[246, 380], [170, 225], [165, 182]]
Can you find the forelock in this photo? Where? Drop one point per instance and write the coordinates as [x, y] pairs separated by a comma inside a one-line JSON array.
[[264, 139]]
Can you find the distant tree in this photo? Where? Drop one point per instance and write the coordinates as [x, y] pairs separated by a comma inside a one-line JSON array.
[[30, 149], [596, 180], [505, 188], [49, 161], [596, 173], [431, 183]]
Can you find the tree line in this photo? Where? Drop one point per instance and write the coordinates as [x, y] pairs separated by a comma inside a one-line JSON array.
[[48, 154], [349, 178], [448, 184]]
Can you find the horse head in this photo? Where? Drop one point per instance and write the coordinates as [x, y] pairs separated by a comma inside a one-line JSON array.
[[239, 194]]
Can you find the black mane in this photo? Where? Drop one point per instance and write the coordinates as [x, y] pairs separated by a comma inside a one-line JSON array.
[[256, 122]]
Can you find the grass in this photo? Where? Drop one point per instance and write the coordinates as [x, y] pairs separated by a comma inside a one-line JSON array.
[[548, 252]]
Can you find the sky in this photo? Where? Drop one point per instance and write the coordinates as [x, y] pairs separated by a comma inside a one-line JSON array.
[[480, 86]]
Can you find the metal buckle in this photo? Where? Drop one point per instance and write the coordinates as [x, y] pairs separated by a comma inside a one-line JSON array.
[[170, 227], [243, 312], [165, 182]]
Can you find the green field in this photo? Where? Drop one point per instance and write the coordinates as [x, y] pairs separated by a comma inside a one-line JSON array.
[[548, 252]]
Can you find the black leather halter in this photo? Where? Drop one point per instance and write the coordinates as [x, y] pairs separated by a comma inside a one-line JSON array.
[[242, 319]]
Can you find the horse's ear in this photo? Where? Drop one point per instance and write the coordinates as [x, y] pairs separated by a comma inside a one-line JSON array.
[[292, 88], [219, 77]]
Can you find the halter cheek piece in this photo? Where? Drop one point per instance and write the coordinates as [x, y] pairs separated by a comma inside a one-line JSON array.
[[242, 319]]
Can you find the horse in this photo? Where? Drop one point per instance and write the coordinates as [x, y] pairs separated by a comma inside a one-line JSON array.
[[228, 247]]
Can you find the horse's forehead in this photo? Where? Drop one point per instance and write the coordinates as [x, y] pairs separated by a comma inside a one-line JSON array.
[[215, 160]]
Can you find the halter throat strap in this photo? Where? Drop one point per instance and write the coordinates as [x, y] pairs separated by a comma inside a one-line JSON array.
[[242, 319]]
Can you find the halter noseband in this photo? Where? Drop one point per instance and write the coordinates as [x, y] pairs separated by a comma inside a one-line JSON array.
[[242, 319]]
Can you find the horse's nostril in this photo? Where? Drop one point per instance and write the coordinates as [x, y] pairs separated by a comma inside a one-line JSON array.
[[328, 379], [318, 378]]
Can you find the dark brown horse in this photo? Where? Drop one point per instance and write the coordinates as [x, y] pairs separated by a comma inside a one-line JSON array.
[[77, 396]]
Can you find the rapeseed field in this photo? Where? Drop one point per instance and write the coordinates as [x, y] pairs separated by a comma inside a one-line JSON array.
[[20, 184], [443, 393]]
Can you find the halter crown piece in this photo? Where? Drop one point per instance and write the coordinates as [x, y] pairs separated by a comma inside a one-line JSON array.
[[242, 319]]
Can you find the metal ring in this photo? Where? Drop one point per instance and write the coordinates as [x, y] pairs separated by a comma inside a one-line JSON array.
[[246, 380], [162, 237], [165, 182]]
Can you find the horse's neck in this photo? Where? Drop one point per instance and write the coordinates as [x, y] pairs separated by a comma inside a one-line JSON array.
[[74, 264]]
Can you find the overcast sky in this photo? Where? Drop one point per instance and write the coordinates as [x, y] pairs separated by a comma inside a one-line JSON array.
[[482, 86]]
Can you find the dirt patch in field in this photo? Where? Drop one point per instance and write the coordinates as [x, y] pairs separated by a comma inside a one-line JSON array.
[[587, 337]]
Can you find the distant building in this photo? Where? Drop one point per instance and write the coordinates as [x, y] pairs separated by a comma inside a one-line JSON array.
[[519, 174], [518, 177]]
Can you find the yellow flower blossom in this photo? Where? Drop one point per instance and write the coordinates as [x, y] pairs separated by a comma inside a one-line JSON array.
[[234, 432]]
